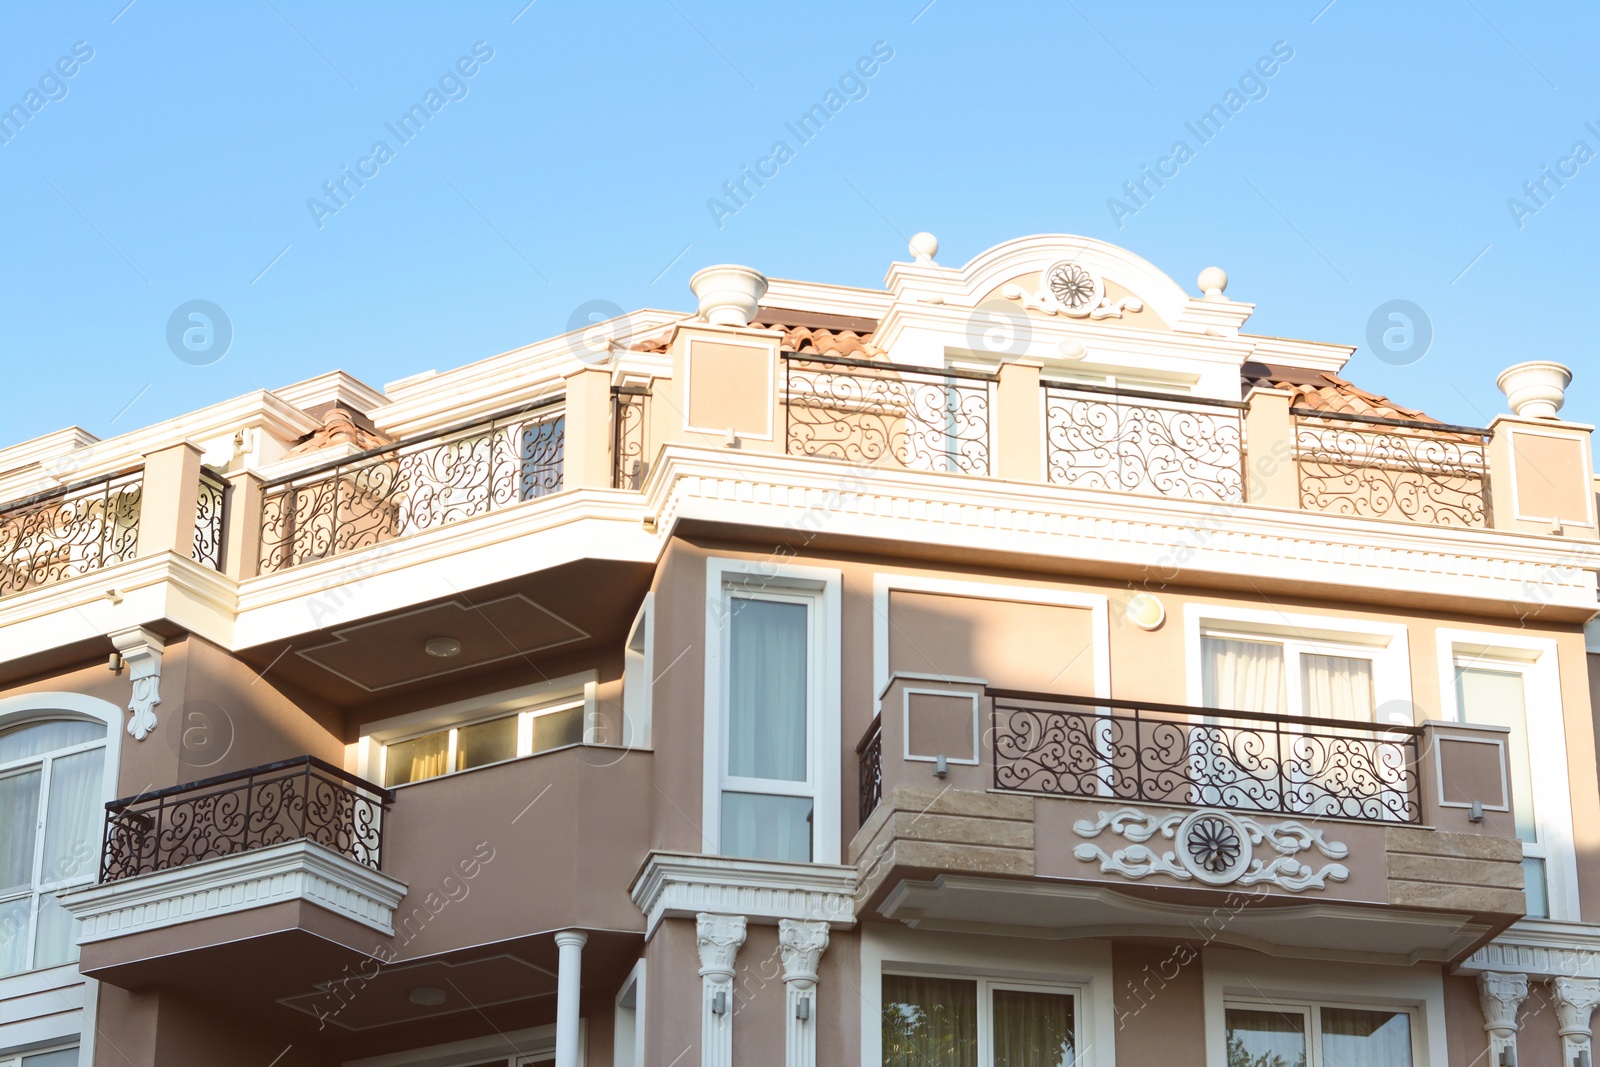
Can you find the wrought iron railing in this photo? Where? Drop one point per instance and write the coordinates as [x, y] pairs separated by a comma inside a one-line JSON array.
[[1170, 754], [629, 409], [207, 548], [389, 492], [869, 755], [871, 412], [67, 532], [300, 799], [1102, 438], [1379, 468]]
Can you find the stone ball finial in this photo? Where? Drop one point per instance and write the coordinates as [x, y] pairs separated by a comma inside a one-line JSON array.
[[1213, 280], [924, 246]]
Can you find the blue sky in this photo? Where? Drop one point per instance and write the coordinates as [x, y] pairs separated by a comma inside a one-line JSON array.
[[576, 165]]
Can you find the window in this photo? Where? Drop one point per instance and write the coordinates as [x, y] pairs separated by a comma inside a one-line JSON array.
[[1274, 1034], [1287, 676], [638, 677], [628, 1044], [965, 1022], [478, 744], [61, 1057], [534, 1047], [1494, 694], [52, 784], [767, 787]]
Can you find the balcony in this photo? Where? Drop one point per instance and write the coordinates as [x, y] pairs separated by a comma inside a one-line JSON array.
[[261, 891], [1049, 816], [386, 493]]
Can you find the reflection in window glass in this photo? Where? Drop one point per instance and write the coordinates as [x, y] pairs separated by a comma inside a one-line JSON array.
[[929, 1022], [67, 1057], [1353, 1038], [759, 826], [558, 729], [418, 759], [1032, 1029], [1261, 1038], [486, 742]]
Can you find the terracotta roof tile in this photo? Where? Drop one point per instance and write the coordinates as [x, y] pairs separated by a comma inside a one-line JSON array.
[[1324, 391], [340, 425], [815, 339]]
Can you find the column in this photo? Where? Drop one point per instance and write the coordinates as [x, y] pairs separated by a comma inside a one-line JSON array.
[[569, 981], [718, 937], [1575, 1002], [802, 942], [587, 450], [168, 498], [1500, 995], [1018, 423]]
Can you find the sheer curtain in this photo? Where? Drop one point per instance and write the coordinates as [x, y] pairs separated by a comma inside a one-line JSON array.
[[1337, 687], [1497, 698], [1365, 1038], [1266, 1038], [767, 729], [1032, 1029], [1243, 675], [929, 1022]]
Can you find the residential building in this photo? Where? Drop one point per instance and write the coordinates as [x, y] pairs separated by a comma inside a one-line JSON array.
[[1020, 664]]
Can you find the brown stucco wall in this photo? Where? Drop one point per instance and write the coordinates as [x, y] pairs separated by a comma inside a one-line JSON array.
[[1159, 999]]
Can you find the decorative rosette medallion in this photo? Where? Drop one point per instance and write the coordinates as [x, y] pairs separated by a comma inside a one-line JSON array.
[[1074, 290]]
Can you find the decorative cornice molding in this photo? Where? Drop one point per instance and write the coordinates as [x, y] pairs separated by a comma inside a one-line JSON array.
[[227, 885], [1540, 949], [680, 884], [1164, 536]]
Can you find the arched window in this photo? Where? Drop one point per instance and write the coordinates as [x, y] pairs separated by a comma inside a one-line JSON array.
[[54, 778]]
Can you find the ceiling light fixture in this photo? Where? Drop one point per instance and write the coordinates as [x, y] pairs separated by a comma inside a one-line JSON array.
[[442, 647], [427, 996]]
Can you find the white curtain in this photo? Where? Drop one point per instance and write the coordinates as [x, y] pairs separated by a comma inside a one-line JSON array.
[[1497, 698], [1265, 1038], [1243, 675], [19, 816], [1337, 687], [72, 827], [929, 1022], [1365, 1038], [767, 690], [1033, 1029]]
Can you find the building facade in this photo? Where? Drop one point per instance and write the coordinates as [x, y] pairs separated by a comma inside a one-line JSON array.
[[1019, 665]]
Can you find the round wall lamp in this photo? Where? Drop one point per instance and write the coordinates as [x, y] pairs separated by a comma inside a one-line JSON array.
[[442, 647], [1145, 611], [427, 996]]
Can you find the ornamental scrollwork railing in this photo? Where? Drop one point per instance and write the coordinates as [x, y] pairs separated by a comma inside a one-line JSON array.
[[1204, 757], [1379, 468], [207, 547], [389, 492], [629, 410], [869, 755], [872, 412], [300, 799], [68, 532], [1141, 442]]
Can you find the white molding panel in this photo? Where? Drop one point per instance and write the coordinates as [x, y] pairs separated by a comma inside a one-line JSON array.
[[227, 885], [683, 884]]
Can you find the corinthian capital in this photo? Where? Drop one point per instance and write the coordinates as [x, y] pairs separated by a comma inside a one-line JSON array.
[[802, 942], [1500, 995], [718, 938]]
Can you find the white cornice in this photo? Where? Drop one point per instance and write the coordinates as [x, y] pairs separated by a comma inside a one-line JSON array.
[[1542, 949], [682, 884], [1162, 535], [258, 409], [1288, 352], [428, 402], [328, 388], [18, 457], [227, 885], [824, 299]]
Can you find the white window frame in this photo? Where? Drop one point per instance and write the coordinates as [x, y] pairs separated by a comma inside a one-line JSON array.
[[1081, 968], [628, 1042], [822, 588], [533, 1045], [1387, 645], [638, 677], [60, 1028], [526, 702], [986, 988], [1537, 660], [1236, 978]]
